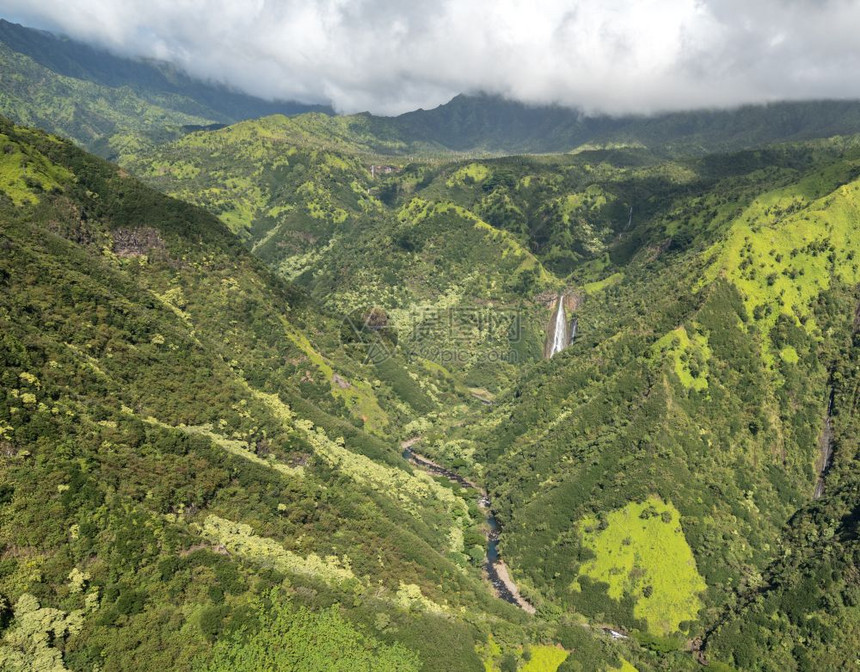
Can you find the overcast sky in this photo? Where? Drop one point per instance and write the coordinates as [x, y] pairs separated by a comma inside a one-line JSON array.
[[391, 56]]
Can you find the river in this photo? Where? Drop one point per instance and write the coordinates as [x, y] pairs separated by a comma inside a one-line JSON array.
[[494, 566]]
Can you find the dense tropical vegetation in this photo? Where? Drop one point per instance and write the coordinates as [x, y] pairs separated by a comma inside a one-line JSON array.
[[204, 393]]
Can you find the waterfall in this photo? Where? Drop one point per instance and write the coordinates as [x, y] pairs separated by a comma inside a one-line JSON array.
[[559, 337], [573, 324]]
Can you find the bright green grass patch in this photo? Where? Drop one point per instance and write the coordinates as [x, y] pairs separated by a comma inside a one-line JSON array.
[[643, 553], [22, 174], [783, 250], [474, 173], [690, 356], [358, 396], [295, 639], [12, 174], [545, 658], [600, 285], [489, 653], [789, 355], [593, 198]]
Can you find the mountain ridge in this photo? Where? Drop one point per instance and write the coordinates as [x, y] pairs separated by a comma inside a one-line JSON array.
[[79, 60], [46, 75], [467, 125]]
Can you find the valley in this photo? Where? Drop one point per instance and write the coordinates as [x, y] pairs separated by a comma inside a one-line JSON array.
[[497, 572], [488, 387]]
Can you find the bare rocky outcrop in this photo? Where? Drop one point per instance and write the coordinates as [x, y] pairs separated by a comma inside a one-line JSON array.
[[573, 298], [137, 242], [340, 381]]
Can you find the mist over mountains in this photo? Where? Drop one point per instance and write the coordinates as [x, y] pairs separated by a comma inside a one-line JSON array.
[[388, 57], [80, 75]]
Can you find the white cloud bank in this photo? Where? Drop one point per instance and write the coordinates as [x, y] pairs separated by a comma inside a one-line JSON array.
[[390, 56]]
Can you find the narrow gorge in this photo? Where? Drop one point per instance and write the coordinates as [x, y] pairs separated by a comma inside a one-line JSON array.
[[495, 568]]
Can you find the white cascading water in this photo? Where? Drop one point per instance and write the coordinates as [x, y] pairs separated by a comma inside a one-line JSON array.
[[559, 337]]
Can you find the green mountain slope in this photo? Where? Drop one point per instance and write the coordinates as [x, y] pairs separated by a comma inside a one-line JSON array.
[[78, 60], [804, 616], [184, 476], [660, 478], [684, 423], [309, 204], [486, 125], [695, 398], [109, 104]]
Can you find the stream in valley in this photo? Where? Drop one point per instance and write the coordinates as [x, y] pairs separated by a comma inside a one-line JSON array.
[[497, 571]]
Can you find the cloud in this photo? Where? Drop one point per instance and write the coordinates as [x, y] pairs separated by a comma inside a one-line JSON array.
[[390, 56]]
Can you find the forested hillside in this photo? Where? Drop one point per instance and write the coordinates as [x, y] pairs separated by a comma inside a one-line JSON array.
[[804, 614], [237, 367], [647, 476], [184, 475]]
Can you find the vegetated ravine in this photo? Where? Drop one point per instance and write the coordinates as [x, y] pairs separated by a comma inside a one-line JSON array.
[[825, 442], [497, 571]]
